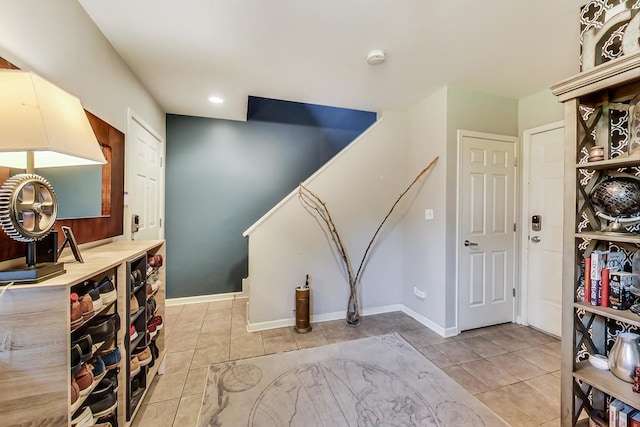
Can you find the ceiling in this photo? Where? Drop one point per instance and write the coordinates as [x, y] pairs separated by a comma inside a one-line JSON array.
[[315, 51]]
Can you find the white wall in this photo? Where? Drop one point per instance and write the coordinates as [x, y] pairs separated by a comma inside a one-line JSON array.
[[359, 186], [57, 40], [424, 254], [540, 108]]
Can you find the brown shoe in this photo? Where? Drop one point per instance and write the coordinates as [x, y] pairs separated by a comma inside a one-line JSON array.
[[144, 356], [75, 391], [76, 311], [84, 379], [134, 306], [134, 367], [86, 304]]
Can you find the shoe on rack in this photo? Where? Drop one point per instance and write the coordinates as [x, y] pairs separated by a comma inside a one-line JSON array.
[[76, 311], [134, 367], [133, 334], [84, 379], [104, 327], [107, 421], [112, 359], [152, 330], [157, 320], [96, 298], [84, 418], [107, 291], [76, 359], [86, 304], [107, 385], [143, 355], [109, 382], [133, 304], [135, 387], [151, 308], [155, 261], [98, 368], [102, 405], [75, 391], [85, 342]]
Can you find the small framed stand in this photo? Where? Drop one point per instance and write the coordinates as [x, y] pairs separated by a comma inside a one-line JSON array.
[[71, 240]]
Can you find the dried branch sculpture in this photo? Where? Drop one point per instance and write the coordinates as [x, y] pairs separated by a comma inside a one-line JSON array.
[[314, 203]]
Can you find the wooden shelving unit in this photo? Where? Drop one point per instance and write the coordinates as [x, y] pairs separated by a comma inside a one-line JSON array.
[[35, 366], [595, 103]]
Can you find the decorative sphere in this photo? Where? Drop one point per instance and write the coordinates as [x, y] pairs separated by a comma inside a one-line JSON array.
[[617, 196]]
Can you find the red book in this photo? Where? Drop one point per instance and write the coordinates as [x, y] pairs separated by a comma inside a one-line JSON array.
[[604, 288], [587, 280]]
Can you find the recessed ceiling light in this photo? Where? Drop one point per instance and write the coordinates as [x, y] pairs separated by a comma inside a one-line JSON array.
[[216, 100]]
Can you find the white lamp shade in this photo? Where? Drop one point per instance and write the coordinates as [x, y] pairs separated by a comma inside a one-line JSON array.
[[37, 116]]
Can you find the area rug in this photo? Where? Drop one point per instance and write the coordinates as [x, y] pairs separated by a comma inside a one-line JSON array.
[[377, 381]]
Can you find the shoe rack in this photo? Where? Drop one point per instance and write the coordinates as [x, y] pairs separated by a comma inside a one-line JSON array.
[[145, 290], [36, 336], [92, 329], [137, 321]]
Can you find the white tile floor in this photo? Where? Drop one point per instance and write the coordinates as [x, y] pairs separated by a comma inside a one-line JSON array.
[[512, 369]]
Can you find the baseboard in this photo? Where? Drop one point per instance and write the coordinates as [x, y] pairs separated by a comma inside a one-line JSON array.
[[325, 317], [205, 298], [337, 315], [443, 332]]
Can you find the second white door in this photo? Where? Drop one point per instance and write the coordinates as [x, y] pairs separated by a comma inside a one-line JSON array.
[[542, 239], [486, 236], [145, 172]]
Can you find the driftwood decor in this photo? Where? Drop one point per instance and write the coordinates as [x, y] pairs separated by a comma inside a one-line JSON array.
[[314, 204]]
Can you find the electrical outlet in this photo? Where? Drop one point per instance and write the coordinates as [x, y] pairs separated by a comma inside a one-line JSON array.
[[419, 293], [428, 214]]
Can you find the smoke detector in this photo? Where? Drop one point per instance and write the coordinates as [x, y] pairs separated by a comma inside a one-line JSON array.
[[375, 57]]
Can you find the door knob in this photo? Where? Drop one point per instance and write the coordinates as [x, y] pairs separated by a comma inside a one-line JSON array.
[[535, 239], [468, 243]]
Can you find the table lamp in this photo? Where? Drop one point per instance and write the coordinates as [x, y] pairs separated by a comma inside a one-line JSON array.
[[41, 125]]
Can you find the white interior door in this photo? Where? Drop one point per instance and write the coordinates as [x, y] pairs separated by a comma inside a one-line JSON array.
[[543, 155], [145, 180], [486, 236]]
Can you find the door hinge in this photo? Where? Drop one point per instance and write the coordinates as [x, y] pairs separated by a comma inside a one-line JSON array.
[[515, 227], [160, 222], [161, 160], [514, 292], [515, 162]]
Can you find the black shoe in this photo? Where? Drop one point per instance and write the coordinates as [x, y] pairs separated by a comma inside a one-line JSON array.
[[76, 359], [104, 327], [102, 404], [85, 342], [107, 385]]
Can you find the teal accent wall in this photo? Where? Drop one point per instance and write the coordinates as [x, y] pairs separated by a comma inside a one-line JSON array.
[[221, 177]]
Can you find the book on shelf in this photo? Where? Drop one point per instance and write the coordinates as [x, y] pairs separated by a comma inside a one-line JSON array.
[[614, 409], [624, 416]]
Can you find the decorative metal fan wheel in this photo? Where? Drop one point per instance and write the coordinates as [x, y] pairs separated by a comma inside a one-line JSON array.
[[28, 207]]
